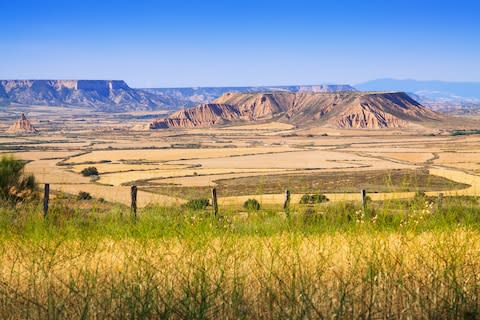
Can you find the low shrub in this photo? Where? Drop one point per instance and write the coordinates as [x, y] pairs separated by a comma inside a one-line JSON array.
[[252, 204], [89, 171], [313, 198], [196, 204], [82, 195]]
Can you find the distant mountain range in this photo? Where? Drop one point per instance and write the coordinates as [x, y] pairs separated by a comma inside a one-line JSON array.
[[103, 95], [117, 96], [454, 97], [337, 110]]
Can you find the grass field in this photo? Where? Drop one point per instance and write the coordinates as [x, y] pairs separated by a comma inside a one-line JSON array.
[[398, 259]]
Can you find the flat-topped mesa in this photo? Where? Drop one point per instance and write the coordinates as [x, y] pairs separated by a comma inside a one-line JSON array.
[[338, 110], [104, 95], [22, 126], [10, 85]]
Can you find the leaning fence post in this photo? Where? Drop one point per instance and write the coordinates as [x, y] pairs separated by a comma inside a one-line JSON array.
[[214, 201], [440, 199], [363, 193], [286, 203], [46, 195], [133, 193]]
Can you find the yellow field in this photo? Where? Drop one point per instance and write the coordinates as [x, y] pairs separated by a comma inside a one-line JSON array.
[[123, 177], [413, 157], [233, 152], [311, 159], [120, 194], [391, 275], [171, 154]]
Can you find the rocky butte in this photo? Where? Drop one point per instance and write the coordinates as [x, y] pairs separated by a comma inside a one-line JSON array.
[[329, 109], [22, 126]]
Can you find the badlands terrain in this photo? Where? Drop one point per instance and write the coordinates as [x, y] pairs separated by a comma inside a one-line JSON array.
[[259, 159]]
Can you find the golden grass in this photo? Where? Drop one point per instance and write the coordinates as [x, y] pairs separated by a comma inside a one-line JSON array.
[[430, 275]]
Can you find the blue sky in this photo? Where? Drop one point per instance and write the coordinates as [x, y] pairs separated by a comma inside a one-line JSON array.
[[229, 43]]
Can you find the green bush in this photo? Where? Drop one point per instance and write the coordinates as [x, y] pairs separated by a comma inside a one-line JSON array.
[[82, 195], [14, 184], [313, 198], [89, 171], [196, 204], [252, 204]]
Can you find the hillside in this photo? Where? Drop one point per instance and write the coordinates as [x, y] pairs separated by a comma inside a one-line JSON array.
[[338, 110], [100, 95]]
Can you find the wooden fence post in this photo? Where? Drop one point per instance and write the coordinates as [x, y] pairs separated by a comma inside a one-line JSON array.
[[46, 195], [363, 193], [133, 193], [214, 201], [286, 203], [440, 200]]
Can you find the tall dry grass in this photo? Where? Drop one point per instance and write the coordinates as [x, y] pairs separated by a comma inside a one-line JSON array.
[[383, 275], [401, 260]]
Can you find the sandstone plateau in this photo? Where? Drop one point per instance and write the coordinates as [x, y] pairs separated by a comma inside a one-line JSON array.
[[22, 126], [338, 110]]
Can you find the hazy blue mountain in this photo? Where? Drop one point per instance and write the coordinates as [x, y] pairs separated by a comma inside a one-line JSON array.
[[435, 89], [102, 95], [455, 97]]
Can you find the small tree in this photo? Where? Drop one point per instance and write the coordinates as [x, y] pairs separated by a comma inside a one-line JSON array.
[[89, 171], [14, 184], [252, 205]]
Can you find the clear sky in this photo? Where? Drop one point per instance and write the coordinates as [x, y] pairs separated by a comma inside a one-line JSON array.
[[244, 42]]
